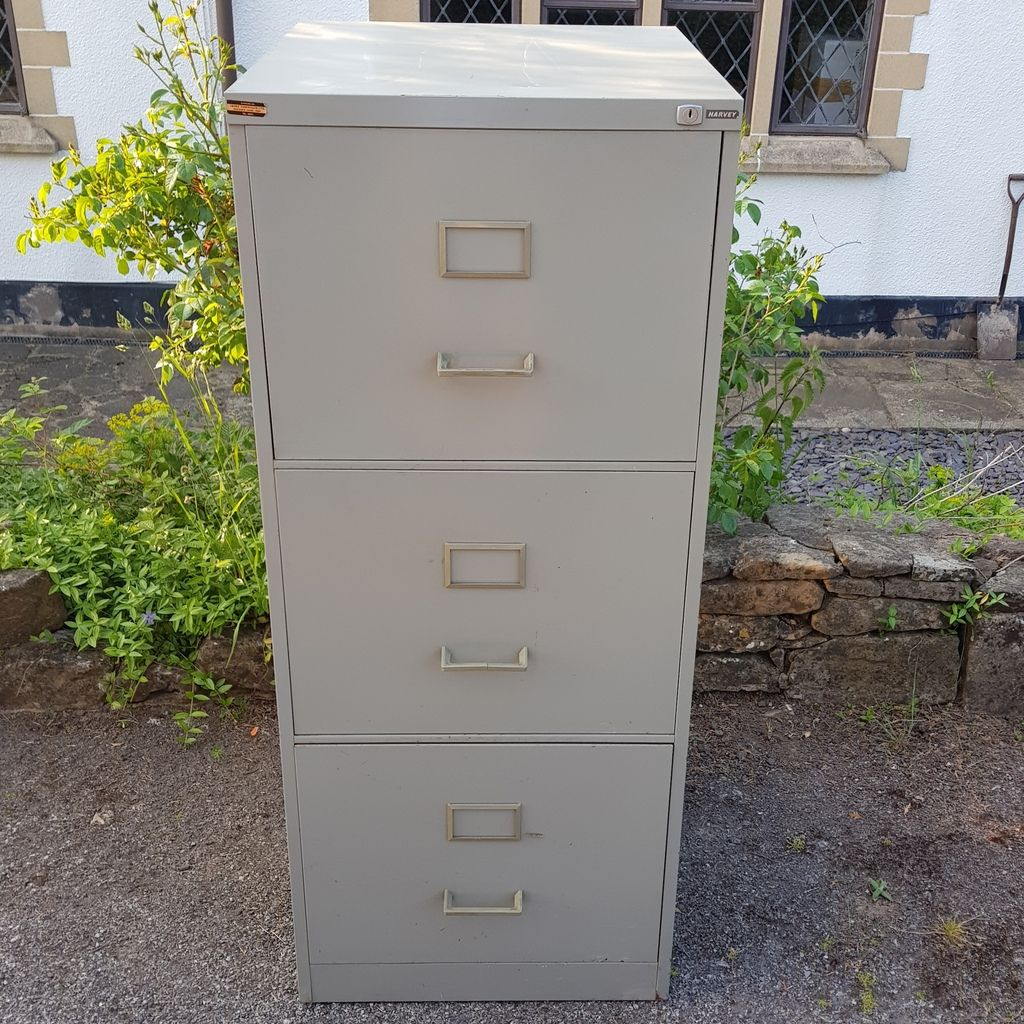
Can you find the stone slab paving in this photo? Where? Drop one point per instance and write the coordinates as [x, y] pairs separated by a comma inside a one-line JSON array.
[[93, 381], [851, 400], [912, 393], [949, 405]]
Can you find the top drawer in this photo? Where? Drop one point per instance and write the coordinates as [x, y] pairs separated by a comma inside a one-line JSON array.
[[605, 238]]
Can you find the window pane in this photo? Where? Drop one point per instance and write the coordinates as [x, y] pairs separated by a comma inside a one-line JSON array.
[[590, 15], [483, 11], [726, 38], [824, 62], [9, 94]]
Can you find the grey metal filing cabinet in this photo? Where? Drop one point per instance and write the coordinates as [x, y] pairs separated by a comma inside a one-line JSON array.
[[484, 272]]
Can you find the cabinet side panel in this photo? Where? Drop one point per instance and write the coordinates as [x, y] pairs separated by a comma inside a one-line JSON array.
[[718, 276], [268, 499]]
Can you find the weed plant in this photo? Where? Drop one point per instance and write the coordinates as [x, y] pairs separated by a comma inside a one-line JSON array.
[[152, 537]]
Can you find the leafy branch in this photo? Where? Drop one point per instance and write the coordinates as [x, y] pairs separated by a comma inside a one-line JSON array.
[[159, 198], [766, 380]]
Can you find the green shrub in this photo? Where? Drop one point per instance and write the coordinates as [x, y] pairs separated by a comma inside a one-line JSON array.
[[760, 393], [152, 537], [159, 197], [904, 490]]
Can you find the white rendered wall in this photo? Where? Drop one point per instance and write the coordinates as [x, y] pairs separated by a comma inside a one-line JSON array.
[[940, 227], [937, 229], [102, 89], [260, 23]]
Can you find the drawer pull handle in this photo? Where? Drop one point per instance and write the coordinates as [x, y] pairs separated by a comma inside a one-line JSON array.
[[449, 665], [451, 910], [444, 369]]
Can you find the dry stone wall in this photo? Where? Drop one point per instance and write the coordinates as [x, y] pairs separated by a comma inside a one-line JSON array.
[[841, 610]]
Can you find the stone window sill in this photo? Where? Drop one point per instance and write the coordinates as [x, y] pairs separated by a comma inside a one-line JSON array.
[[22, 135], [811, 155]]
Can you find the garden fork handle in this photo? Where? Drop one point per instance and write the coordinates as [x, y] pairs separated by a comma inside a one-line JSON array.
[[1015, 201]]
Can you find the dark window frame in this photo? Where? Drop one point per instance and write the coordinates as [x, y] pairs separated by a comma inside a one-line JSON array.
[[755, 7], [547, 6], [18, 106], [860, 127], [517, 14]]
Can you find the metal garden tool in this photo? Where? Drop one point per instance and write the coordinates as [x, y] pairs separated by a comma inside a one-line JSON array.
[[998, 323]]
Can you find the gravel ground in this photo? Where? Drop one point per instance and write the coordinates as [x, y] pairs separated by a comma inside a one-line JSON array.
[[823, 459], [143, 883]]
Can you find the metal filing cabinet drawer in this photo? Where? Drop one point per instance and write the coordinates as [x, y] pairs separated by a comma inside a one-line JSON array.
[[569, 585], [579, 879], [484, 271], [603, 245]]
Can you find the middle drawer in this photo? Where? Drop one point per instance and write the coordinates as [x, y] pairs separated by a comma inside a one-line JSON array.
[[438, 602]]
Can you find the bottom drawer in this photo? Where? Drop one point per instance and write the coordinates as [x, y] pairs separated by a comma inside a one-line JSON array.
[[563, 862]]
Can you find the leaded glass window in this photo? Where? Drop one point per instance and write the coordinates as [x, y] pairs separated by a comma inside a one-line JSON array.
[[12, 89], [725, 31], [826, 60], [590, 12], [485, 12]]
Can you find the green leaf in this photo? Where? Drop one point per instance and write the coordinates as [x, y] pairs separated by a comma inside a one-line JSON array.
[[171, 175], [729, 521]]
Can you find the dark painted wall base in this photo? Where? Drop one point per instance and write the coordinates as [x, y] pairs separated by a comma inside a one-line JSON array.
[[885, 323], [67, 305], [909, 323]]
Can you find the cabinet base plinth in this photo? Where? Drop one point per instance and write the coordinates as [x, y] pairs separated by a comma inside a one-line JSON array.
[[372, 983]]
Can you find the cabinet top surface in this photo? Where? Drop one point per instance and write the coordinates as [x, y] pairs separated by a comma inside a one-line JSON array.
[[437, 75]]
